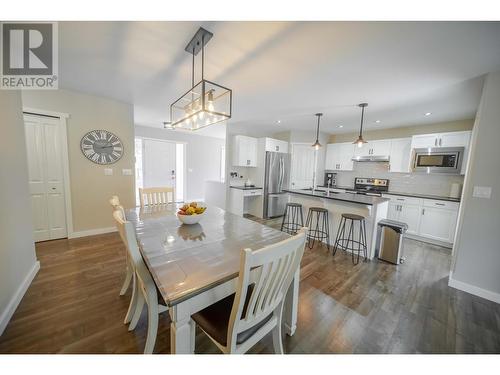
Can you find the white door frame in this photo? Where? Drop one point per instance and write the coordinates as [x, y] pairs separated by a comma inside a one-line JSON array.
[[65, 159], [184, 162]]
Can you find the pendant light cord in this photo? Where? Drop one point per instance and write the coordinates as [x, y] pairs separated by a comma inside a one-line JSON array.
[[362, 117], [317, 129], [202, 56]]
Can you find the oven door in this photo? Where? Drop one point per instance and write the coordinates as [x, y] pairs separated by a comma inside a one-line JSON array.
[[438, 160]]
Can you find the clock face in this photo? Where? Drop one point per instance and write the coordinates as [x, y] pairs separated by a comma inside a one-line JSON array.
[[101, 147]]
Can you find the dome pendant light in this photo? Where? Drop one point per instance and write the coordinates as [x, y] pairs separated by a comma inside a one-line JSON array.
[[316, 144], [360, 141]]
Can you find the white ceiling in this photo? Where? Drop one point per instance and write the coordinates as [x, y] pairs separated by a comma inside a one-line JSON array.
[[289, 70]]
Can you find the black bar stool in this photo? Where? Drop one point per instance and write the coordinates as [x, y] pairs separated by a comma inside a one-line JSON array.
[[290, 223], [342, 242], [321, 229]]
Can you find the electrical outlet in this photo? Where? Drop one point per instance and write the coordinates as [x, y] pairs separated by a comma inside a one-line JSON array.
[[127, 172], [482, 192], [108, 171]]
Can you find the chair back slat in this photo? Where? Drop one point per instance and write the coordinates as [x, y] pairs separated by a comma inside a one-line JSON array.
[[156, 195], [272, 268]]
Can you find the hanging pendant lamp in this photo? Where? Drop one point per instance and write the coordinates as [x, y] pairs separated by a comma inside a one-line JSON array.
[[360, 141], [316, 144], [206, 103]]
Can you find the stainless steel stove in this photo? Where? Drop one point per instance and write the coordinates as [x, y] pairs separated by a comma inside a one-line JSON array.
[[370, 186]]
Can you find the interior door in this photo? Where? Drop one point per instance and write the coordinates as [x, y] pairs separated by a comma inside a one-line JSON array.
[[159, 168], [302, 169], [46, 177]]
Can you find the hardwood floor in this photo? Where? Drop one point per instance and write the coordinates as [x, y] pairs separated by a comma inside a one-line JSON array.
[[73, 306]]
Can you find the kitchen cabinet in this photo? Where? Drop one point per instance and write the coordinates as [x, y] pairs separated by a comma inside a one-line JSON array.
[[438, 220], [426, 218], [374, 148], [244, 151], [275, 145], [400, 153], [451, 139], [339, 156], [244, 201]]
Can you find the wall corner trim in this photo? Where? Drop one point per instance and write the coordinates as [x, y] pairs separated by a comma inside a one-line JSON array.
[[6, 315], [472, 289], [91, 232]]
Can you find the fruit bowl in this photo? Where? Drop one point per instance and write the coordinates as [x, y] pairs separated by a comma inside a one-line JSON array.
[[190, 219], [191, 213]]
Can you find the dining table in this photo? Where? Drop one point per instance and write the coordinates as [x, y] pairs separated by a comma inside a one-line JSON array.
[[196, 265]]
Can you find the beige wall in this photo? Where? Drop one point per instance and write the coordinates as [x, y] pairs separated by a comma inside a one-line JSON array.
[[18, 262], [90, 188], [476, 266], [406, 131]]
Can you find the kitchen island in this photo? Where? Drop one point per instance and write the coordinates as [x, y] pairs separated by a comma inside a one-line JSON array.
[[373, 208]]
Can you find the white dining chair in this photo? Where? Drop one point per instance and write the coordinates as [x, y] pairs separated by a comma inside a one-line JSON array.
[[156, 195], [129, 275], [236, 323], [145, 291]]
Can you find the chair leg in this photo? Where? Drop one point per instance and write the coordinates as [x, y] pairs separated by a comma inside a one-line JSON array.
[[133, 301], [138, 309], [126, 282], [152, 325], [277, 337], [192, 324]]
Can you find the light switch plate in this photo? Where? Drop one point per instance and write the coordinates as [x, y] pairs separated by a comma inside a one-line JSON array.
[[127, 172], [108, 171], [482, 192]]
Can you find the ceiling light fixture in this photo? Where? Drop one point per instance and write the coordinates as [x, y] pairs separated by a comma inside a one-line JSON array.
[[341, 126], [427, 114], [360, 141], [206, 103], [316, 144], [278, 122], [377, 121]]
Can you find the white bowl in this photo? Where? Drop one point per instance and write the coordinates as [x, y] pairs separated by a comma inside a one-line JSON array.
[[190, 219]]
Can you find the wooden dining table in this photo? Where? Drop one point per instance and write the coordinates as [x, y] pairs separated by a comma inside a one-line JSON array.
[[196, 265]]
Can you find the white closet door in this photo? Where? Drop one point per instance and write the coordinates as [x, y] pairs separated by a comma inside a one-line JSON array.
[[159, 163], [46, 181], [302, 166]]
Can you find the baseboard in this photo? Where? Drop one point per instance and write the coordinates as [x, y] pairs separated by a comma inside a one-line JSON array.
[[475, 290], [429, 240], [17, 297], [91, 232]]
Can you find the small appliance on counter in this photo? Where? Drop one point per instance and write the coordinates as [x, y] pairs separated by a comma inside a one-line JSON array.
[[330, 179]]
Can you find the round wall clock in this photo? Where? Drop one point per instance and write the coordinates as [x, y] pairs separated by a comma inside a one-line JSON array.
[[101, 147]]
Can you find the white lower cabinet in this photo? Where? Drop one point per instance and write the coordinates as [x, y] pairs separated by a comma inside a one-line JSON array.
[[426, 218]]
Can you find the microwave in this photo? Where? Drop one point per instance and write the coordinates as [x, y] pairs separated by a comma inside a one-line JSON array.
[[438, 160]]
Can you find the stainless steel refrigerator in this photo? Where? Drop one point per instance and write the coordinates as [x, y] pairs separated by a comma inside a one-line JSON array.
[[277, 175]]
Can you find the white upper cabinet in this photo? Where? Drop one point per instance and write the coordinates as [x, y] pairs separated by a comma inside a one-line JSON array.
[[244, 151], [339, 156], [275, 145], [400, 155], [374, 148], [451, 139]]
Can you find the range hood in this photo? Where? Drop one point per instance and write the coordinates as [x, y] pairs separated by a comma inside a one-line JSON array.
[[374, 158]]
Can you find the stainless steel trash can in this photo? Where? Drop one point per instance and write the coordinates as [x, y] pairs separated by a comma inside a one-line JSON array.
[[390, 234]]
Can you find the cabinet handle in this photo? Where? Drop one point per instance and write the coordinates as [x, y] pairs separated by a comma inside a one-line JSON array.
[[277, 148], [400, 208], [400, 199], [248, 162], [435, 142], [440, 141], [423, 211], [439, 204]]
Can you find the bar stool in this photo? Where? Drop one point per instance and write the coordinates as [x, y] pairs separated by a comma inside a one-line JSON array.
[[321, 230], [290, 223], [342, 242]]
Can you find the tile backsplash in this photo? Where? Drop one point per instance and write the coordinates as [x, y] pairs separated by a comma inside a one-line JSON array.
[[432, 184]]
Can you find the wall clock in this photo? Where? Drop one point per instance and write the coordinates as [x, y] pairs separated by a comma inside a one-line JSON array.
[[101, 147]]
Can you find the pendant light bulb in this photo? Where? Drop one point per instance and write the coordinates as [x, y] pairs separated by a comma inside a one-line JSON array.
[[360, 141]]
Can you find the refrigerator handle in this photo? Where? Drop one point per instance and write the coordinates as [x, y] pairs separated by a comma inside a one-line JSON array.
[[282, 175]]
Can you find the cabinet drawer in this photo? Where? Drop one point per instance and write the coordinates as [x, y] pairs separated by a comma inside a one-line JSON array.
[[441, 204], [251, 193], [403, 200]]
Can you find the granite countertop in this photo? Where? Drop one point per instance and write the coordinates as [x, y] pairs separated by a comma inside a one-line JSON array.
[[246, 187], [367, 200], [415, 195]]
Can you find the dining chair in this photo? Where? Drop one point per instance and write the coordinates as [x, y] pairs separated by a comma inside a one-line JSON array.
[[129, 275], [156, 195], [145, 291], [236, 323]]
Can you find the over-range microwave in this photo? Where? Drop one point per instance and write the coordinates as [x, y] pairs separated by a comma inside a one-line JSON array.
[[438, 159]]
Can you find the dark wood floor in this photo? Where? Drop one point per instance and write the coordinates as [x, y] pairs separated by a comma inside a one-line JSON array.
[[73, 306]]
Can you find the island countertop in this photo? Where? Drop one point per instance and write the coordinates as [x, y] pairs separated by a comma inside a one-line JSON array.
[[367, 200]]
